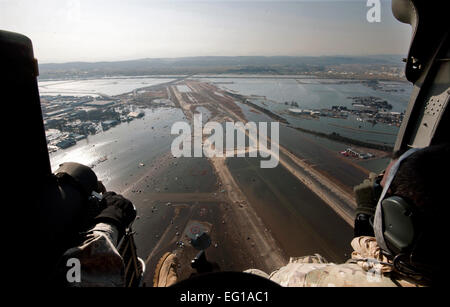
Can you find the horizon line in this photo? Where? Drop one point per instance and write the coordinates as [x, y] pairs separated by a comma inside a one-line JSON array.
[[226, 56]]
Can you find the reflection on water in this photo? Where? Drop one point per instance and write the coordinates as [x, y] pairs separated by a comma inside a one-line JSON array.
[[311, 93], [300, 221], [272, 94], [125, 146], [107, 86], [317, 151]]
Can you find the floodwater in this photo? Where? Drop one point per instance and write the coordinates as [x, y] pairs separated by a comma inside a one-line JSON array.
[[140, 166], [96, 87], [298, 219], [317, 151], [312, 93], [134, 159], [272, 94], [125, 147]]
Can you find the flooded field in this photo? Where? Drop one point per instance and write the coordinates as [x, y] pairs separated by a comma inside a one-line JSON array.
[[256, 218], [301, 222], [311, 93], [124, 147], [277, 95], [96, 87]]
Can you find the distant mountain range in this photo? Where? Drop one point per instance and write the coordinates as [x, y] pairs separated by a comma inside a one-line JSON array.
[[214, 64]]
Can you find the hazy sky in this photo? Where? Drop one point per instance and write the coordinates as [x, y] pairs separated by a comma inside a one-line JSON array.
[[96, 30]]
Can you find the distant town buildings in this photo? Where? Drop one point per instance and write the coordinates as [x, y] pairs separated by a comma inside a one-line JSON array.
[[304, 112], [100, 103], [69, 119], [364, 108], [108, 124]]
